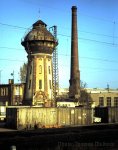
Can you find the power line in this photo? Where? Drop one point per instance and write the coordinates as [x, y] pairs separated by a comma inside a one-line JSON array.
[[11, 48], [83, 57], [103, 42], [104, 69], [92, 68], [99, 18], [91, 40], [11, 60], [86, 39], [14, 26], [81, 67], [91, 58], [99, 34], [81, 38], [99, 59], [67, 11]]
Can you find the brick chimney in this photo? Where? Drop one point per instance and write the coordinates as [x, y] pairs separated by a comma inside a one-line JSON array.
[[74, 89]]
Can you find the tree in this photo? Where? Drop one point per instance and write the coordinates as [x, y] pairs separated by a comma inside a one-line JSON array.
[[23, 72], [83, 84], [85, 97]]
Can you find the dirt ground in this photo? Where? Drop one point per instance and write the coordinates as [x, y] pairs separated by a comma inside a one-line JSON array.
[[83, 138]]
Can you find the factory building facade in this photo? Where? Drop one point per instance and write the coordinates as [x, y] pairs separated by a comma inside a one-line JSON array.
[[100, 97], [104, 97], [11, 94]]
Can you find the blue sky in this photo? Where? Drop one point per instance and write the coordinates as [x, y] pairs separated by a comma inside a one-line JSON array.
[[97, 32]]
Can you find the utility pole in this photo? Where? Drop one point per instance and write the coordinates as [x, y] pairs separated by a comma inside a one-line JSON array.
[[108, 87]]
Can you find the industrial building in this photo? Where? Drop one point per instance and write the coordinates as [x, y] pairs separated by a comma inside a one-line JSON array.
[[100, 97], [11, 93]]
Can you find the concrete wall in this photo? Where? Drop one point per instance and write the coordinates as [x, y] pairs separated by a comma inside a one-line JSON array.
[[31, 117]]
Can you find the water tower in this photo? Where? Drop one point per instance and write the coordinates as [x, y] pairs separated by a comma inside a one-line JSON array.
[[39, 44]]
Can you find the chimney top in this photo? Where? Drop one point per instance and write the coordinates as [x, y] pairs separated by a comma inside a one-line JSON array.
[[74, 7]]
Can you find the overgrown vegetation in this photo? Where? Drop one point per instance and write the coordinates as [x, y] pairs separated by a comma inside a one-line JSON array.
[[23, 72]]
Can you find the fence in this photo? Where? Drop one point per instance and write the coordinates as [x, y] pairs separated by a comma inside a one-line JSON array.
[[37, 117], [107, 114]]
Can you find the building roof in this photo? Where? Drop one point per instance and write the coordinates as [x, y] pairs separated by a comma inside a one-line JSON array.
[[101, 90], [39, 22], [39, 37], [39, 32], [90, 90]]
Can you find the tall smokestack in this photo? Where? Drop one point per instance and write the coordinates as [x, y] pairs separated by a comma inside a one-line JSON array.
[[74, 89]]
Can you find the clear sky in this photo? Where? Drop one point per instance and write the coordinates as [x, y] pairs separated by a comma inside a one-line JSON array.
[[97, 37]]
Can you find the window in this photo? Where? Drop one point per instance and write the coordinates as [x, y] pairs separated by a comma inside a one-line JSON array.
[[3, 92], [40, 69], [116, 101], [30, 69], [17, 91], [108, 101], [29, 84], [50, 84], [49, 69], [40, 84], [101, 101], [6, 91], [0, 91]]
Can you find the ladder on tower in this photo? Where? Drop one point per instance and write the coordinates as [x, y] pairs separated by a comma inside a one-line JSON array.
[[55, 81]]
